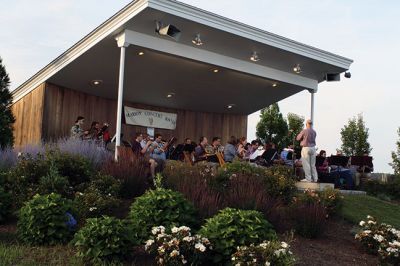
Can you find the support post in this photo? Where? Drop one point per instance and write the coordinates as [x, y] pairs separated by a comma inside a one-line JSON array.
[[122, 44], [312, 107]]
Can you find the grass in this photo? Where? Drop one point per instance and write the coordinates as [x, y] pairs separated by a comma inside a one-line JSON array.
[[357, 207]]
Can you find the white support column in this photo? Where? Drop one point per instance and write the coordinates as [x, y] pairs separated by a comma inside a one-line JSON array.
[[122, 44], [312, 107]]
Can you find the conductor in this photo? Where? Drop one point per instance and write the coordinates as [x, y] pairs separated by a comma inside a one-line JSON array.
[[308, 153]]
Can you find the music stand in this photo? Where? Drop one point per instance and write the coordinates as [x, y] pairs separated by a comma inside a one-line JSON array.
[[270, 155], [340, 161], [362, 162]]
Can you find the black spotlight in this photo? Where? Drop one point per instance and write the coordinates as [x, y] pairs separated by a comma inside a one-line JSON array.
[[168, 30], [347, 74]]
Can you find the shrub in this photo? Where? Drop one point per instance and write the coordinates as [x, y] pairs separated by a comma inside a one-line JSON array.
[[101, 240], [5, 204], [46, 220], [92, 203], [54, 182], [231, 228], [391, 189], [105, 184], [309, 219], [266, 253], [332, 200], [92, 152], [8, 159], [131, 173], [76, 168], [280, 183], [160, 207], [179, 247]]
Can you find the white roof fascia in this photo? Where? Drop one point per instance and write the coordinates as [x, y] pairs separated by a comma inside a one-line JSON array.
[[187, 51], [222, 23], [90, 40]]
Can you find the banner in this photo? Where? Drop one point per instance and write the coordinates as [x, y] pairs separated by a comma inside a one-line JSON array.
[[149, 118]]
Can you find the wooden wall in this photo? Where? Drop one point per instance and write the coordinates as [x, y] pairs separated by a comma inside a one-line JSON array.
[[28, 112], [63, 105]]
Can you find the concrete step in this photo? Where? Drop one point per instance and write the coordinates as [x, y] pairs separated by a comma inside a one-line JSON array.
[[313, 186]]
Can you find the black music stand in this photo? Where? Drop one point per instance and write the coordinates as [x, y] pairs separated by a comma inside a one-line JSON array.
[[362, 161], [340, 161], [269, 156]]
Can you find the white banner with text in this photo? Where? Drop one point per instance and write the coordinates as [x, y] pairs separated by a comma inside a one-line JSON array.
[[149, 118]]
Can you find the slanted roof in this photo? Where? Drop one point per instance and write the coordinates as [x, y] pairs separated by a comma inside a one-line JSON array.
[[185, 69]]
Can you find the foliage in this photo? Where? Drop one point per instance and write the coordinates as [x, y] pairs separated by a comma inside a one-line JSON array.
[[54, 182], [332, 200], [396, 156], [5, 204], [231, 228], [131, 173], [280, 182], [390, 189], [295, 125], [94, 154], [8, 159], [179, 247], [381, 239], [6, 116], [357, 207], [266, 253], [160, 207], [354, 137], [272, 127], [46, 220], [102, 239]]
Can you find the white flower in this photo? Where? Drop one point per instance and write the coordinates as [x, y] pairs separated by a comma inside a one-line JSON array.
[[174, 253], [92, 209], [184, 228], [184, 261], [395, 243], [284, 245], [254, 260], [379, 238], [371, 222], [200, 247], [174, 230], [279, 252], [267, 263], [158, 229], [369, 217], [367, 232], [159, 236], [362, 223], [161, 250], [149, 243], [109, 194]]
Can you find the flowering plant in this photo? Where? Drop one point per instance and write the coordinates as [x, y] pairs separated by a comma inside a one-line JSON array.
[[177, 248], [266, 253], [381, 239]]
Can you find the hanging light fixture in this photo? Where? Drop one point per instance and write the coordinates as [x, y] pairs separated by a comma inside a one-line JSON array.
[[297, 69], [197, 40], [254, 57]]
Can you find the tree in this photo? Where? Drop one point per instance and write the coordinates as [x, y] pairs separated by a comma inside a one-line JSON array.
[[355, 137], [272, 127], [396, 156], [6, 116], [295, 125]]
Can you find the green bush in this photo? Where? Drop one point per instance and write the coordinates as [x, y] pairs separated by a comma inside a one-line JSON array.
[[76, 168], [46, 220], [231, 228], [53, 182], [102, 240], [390, 189], [5, 204], [160, 207], [92, 203], [105, 184]]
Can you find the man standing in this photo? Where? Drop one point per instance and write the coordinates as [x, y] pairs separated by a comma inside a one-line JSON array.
[[307, 141]]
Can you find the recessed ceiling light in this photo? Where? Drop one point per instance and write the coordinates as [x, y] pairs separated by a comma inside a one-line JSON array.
[[297, 69], [216, 70], [274, 84], [254, 57], [197, 40], [96, 82], [141, 53], [230, 106], [170, 95]]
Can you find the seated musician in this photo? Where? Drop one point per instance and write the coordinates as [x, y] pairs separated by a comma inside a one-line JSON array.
[[138, 150], [342, 173], [230, 151], [287, 155], [252, 149], [324, 167], [157, 151], [76, 131], [200, 150], [242, 151], [216, 144]]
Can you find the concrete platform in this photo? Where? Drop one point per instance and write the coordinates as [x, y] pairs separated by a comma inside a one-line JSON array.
[[313, 186]]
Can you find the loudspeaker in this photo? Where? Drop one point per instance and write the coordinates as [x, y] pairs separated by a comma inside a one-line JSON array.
[[169, 30], [332, 77]]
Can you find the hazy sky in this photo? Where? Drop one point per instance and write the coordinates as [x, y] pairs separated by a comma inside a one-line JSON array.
[[32, 33]]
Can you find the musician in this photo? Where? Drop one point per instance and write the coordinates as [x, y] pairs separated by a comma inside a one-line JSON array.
[[242, 147], [142, 151], [200, 150], [157, 149], [216, 144], [76, 130], [308, 153], [230, 151], [93, 131], [252, 148], [288, 160]]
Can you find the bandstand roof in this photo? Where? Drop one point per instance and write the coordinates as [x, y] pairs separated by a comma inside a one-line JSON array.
[[180, 67]]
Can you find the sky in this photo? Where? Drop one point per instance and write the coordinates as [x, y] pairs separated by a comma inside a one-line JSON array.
[[33, 33]]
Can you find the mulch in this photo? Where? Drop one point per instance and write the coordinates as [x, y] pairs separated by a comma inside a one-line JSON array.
[[336, 246]]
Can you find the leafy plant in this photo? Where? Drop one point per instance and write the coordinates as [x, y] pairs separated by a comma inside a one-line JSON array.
[[266, 253], [54, 182], [92, 203], [354, 137], [46, 220], [102, 240], [160, 207], [178, 247], [231, 228]]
